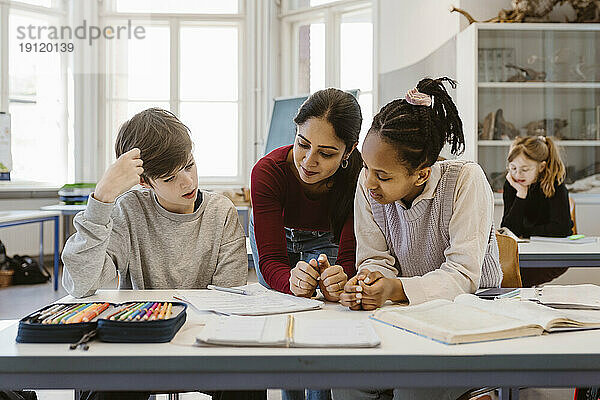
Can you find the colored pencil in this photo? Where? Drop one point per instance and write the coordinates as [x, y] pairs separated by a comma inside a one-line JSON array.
[[74, 313], [156, 312], [41, 315], [50, 318], [90, 315], [169, 310], [123, 317], [121, 311], [149, 312], [67, 313], [139, 311], [77, 317], [163, 310]]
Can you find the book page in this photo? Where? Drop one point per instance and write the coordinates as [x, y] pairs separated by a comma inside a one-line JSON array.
[[451, 322], [259, 301], [245, 331], [334, 333], [531, 312], [565, 296]]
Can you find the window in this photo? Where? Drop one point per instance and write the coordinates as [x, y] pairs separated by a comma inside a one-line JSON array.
[[37, 85], [191, 63], [177, 6], [331, 43], [311, 57], [356, 61]]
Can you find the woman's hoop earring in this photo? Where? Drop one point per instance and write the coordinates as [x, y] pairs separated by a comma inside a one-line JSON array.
[[344, 163]]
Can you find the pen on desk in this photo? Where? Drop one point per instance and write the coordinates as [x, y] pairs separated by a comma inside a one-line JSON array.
[[225, 289]]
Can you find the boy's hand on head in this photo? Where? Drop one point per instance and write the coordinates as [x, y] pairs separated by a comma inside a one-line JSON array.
[[303, 279], [521, 189], [120, 176], [352, 295]]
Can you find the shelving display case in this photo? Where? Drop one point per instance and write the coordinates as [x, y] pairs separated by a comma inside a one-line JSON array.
[[530, 79]]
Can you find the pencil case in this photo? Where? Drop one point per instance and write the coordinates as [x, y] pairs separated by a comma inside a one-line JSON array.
[[63, 323]]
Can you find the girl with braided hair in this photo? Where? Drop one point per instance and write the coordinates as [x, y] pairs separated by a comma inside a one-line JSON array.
[[424, 228]]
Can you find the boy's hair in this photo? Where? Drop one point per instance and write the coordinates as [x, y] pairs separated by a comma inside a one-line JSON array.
[[342, 111], [540, 149], [419, 132], [164, 142]]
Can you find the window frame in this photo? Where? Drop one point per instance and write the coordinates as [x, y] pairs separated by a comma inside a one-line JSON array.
[[55, 14], [175, 21], [331, 14]]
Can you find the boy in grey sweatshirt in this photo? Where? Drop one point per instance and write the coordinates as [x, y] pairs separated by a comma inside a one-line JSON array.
[[168, 235]]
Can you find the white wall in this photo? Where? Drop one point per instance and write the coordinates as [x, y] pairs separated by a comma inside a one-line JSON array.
[[411, 30]]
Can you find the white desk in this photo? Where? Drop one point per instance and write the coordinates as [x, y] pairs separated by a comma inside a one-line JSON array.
[[403, 360], [540, 254], [14, 218]]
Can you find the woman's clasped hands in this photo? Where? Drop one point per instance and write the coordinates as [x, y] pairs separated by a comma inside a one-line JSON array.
[[306, 276]]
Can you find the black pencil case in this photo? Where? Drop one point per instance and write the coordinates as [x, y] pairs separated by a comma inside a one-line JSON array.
[[102, 328]]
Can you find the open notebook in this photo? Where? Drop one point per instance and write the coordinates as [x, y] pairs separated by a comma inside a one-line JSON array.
[[470, 319], [288, 331]]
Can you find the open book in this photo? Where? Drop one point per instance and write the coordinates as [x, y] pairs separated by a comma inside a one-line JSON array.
[[580, 297], [289, 331], [470, 319]]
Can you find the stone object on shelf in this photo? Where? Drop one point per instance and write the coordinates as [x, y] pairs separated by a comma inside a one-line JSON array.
[[525, 74], [547, 127], [487, 129], [495, 127], [504, 130]]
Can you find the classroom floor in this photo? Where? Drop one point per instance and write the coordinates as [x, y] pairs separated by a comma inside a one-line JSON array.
[[17, 301]]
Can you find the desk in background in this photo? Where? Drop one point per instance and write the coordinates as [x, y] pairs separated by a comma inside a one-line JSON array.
[[566, 359], [546, 254], [15, 218], [69, 210]]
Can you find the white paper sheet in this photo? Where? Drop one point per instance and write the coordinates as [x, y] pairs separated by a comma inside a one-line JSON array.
[[259, 301]]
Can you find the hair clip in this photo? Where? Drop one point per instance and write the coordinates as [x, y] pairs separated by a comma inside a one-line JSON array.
[[417, 98]]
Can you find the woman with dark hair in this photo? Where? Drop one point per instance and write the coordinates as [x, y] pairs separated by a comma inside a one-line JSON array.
[[301, 230], [302, 199], [424, 227]]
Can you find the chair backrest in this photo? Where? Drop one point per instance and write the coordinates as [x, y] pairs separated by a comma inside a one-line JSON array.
[[572, 212], [509, 261]]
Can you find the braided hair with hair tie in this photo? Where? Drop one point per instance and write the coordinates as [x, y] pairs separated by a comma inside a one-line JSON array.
[[420, 132]]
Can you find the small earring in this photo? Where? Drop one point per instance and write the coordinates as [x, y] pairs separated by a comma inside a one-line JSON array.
[[344, 163]]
